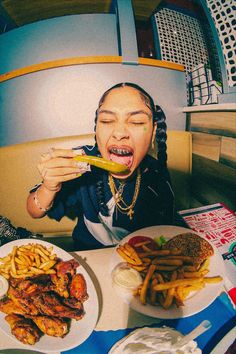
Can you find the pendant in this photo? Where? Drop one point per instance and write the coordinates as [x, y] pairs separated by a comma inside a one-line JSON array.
[[130, 214]]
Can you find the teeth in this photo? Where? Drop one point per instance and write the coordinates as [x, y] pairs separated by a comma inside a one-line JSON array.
[[120, 151]]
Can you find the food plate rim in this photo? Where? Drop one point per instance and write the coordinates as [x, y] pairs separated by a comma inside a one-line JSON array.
[[172, 313], [87, 326]]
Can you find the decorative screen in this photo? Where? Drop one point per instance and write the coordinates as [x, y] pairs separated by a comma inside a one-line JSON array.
[[223, 14], [181, 38]]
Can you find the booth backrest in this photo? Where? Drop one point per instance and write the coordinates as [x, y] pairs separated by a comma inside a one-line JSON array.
[[19, 174]]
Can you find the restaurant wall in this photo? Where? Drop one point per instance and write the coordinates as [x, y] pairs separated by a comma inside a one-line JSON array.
[[62, 101], [58, 38], [214, 157]]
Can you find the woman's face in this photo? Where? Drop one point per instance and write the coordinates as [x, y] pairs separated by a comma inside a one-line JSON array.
[[125, 128]]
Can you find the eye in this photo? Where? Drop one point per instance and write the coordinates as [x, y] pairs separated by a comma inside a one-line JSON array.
[[137, 123], [138, 119], [105, 121]]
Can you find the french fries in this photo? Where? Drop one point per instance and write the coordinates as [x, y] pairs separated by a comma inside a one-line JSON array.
[[28, 260], [168, 276], [212, 280], [177, 283], [170, 292], [144, 288], [129, 254]]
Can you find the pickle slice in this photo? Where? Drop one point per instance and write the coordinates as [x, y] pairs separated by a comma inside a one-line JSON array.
[[111, 166]]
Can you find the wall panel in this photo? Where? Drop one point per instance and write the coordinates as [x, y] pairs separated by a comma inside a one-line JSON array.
[[214, 157], [62, 101]]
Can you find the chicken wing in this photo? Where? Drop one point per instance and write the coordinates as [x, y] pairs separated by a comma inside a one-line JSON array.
[[31, 286], [50, 304], [10, 307], [78, 287], [23, 329], [60, 285], [45, 303], [42, 283], [52, 326], [25, 303], [66, 267], [65, 270], [73, 302]]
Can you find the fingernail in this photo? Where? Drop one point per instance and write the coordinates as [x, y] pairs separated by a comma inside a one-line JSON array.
[[82, 165], [78, 151]]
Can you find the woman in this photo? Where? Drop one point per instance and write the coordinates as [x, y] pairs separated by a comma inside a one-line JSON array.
[[110, 206]]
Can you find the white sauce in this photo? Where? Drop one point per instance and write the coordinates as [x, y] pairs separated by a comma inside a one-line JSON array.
[[126, 277], [153, 341]]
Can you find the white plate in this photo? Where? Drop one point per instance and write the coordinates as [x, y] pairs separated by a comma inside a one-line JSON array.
[[197, 300], [79, 330]]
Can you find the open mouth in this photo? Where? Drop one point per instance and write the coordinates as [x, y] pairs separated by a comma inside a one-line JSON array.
[[123, 155]]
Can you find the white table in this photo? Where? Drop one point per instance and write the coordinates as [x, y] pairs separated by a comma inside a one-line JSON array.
[[113, 312]]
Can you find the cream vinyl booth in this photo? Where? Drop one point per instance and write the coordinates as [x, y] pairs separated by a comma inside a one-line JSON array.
[[19, 174]]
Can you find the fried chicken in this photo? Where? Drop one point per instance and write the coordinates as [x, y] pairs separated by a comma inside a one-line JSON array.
[[61, 280], [73, 303], [33, 285], [10, 307], [78, 287], [66, 267], [45, 303], [23, 329], [60, 285], [25, 303], [50, 304], [52, 326]]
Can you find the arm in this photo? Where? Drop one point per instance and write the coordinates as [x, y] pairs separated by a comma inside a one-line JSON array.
[[55, 168], [40, 201]]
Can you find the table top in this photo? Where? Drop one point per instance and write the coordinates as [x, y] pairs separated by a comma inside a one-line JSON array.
[[114, 314]]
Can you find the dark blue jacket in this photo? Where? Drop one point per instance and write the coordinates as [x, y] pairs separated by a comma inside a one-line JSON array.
[[78, 199]]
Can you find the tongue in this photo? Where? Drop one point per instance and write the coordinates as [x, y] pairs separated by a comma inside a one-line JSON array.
[[124, 160]]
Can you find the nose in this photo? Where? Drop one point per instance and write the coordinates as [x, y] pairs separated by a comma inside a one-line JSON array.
[[120, 132]]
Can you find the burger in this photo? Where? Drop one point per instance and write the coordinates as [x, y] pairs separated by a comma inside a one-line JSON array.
[[191, 245]]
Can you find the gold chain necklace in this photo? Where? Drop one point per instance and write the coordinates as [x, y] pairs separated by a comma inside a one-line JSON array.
[[117, 195]]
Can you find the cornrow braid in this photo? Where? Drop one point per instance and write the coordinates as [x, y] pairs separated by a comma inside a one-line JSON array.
[[101, 198], [95, 125], [161, 136], [100, 185]]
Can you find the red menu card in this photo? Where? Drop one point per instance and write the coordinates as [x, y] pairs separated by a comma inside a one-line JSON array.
[[217, 224]]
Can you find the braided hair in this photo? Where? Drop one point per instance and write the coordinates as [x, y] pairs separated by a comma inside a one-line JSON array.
[[161, 136]]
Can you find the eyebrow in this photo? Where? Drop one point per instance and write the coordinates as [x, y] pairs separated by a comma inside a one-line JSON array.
[[140, 112], [133, 113], [105, 111]]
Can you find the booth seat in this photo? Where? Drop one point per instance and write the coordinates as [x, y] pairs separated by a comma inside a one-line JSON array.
[[19, 174]]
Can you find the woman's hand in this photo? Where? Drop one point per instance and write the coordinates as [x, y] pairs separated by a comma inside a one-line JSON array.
[[55, 167], [58, 166]]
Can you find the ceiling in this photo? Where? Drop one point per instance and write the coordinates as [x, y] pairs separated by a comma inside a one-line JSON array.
[[16, 13]]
